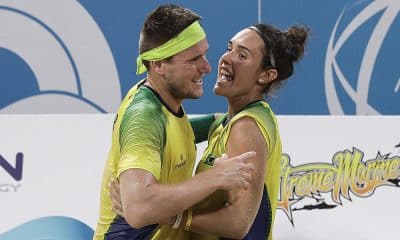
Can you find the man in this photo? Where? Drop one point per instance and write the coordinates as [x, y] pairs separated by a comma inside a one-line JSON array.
[[153, 144]]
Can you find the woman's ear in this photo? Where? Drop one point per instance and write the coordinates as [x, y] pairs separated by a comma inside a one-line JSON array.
[[267, 76]]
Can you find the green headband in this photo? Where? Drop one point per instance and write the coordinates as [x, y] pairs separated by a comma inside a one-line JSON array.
[[187, 38]]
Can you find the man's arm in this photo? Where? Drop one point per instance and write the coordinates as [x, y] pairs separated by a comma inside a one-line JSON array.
[[145, 201], [235, 219], [201, 126]]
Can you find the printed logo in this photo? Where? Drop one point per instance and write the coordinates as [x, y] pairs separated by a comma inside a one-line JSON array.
[[304, 187], [210, 159], [15, 172], [361, 76], [182, 161], [66, 53]]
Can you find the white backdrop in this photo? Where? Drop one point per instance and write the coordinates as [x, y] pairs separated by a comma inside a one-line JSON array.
[[64, 155]]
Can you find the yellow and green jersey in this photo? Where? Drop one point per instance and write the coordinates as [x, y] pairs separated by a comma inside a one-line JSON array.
[[262, 114], [146, 135]]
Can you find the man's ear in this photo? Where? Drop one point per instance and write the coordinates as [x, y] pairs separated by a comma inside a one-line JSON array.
[[267, 76], [158, 66]]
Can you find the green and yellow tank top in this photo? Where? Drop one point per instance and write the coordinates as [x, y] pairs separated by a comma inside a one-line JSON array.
[[146, 135], [262, 114]]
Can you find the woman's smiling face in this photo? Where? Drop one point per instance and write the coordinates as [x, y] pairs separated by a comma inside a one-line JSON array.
[[240, 66]]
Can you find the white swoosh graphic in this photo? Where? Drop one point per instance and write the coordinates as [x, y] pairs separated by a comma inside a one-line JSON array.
[[83, 41]]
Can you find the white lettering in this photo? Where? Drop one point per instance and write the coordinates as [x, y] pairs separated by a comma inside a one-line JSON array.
[[9, 187]]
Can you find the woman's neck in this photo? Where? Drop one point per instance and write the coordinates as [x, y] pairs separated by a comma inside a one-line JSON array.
[[237, 104]]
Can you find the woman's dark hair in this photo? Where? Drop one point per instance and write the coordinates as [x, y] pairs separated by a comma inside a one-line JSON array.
[[163, 24], [283, 49]]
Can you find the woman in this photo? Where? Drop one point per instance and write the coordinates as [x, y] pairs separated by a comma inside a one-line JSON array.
[[257, 62]]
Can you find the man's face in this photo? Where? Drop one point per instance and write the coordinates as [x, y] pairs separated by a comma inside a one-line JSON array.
[[184, 73]]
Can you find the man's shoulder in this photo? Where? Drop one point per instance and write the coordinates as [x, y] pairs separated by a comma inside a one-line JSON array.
[[145, 100], [140, 98], [143, 106]]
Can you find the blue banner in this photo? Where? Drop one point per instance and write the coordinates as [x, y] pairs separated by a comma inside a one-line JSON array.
[[79, 56]]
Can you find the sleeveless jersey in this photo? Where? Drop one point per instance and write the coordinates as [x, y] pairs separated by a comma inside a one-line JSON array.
[[146, 135], [265, 119]]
